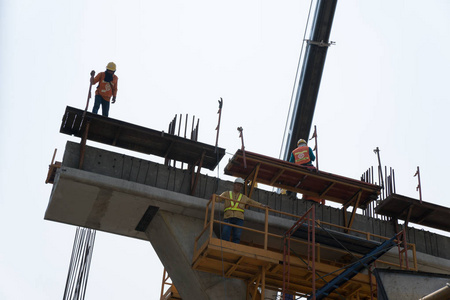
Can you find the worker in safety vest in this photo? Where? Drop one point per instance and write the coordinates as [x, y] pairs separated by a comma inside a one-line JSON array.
[[107, 88], [234, 210], [303, 155]]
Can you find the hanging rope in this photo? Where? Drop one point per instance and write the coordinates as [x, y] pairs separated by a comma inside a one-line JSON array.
[[217, 186]]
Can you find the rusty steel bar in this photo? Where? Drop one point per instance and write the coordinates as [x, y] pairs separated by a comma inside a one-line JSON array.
[[393, 179], [213, 205], [196, 130], [385, 182], [241, 135], [88, 97], [179, 124], [192, 127], [218, 123], [83, 145], [372, 175], [370, 282], [419, 186], [405, 245], [313, 217], [380, 170], [185, 129], [316, 147], [53, 158]]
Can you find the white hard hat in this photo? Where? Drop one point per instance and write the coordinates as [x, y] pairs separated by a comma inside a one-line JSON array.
[[239, 180], [301, 141]]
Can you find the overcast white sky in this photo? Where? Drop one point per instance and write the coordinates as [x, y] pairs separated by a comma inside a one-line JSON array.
[[385, 85]]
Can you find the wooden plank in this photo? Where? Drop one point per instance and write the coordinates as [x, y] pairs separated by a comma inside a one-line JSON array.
[[137, 138], [233, 268], [425, 213], [295, 178]]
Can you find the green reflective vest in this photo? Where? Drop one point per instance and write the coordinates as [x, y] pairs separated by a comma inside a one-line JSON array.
[[234, 205]]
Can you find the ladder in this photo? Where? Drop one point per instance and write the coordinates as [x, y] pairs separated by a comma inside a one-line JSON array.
[[354, 269]]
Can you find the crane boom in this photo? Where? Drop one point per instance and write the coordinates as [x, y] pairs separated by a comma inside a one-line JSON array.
[[311, 74]]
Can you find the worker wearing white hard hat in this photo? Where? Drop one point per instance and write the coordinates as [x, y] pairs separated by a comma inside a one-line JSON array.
[[302, 155], [107, 88], [235, 203]]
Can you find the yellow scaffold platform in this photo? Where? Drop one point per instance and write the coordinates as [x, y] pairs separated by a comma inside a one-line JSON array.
[[266, 266]]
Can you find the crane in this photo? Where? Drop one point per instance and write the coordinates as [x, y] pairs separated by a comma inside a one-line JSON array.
[[311, 74]]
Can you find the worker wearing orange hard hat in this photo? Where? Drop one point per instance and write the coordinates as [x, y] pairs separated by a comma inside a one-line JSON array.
[[107, 88], [234, 210], [303, 155]]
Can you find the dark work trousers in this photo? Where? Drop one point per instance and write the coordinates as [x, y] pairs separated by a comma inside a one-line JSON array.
[[226, 231], [105, 105]]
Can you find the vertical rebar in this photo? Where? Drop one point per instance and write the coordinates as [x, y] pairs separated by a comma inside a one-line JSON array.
[[419, 187], [316, 146], [241, 135], [78, 273], [179, 124], [218, 123], [380, 170], [393, 180], [192, 127], [371, 176], [185, 129]]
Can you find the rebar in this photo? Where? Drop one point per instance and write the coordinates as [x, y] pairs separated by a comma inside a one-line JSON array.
[[80, 263]]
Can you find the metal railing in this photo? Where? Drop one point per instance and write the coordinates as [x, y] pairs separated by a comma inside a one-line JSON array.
[[314, 249], [210, 221]]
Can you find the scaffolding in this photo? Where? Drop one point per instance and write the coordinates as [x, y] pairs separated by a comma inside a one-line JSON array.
[[168, 290], [287, 261]]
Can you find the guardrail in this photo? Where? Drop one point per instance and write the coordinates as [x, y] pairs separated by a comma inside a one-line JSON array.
[[210, 221]]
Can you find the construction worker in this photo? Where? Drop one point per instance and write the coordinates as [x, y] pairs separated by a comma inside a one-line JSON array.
[[303, 155], [234, 210], [107, 88]]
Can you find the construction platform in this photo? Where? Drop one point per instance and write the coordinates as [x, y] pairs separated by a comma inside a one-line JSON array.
[[129, 136], [415, 211], [263, 263], [257, 168], [257, 266]]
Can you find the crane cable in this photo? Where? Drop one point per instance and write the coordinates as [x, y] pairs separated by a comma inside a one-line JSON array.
[[220, 212], [295, 81]]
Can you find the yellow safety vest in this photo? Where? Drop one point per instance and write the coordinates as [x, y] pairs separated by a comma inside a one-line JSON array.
[[234, 205]]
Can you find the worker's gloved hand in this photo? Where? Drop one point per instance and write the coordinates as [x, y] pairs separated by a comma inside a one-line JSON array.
[[113, 100], [92, 73]]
